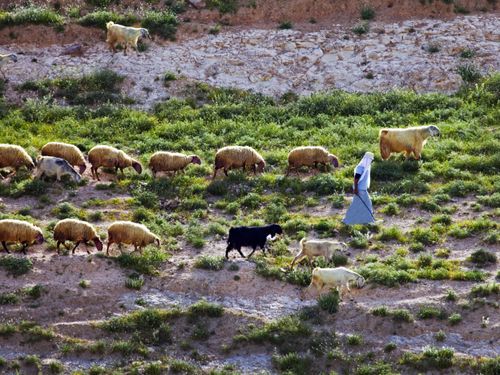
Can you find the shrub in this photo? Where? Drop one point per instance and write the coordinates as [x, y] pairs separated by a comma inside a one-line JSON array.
[[367, 13], [425, 236], [8, 298], [361, 28], [440, 336], [483, 257], [329, 302], [285, 25], [484, 290], [391, 234], [292, 363], [31, 15], [16, 266], [428, 312], [454, 319], [134, 282], [163, 24], [204, 308], [224, 6], [354, 340], [402, 315], [433, 47], [210, 262], [467, 53], [101, 17], [147, 263], [391, 209], [469, 73]]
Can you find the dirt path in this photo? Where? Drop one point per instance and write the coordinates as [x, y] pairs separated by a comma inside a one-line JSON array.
[[277, 61]]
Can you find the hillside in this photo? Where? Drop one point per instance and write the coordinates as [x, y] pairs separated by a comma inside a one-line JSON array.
[[430, 304]]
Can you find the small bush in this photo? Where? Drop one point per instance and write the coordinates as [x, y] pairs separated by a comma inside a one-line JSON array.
[[147, 263], [361, 28], [31, 15], [134, 282], [204, 308], [285, 25], [483, 257], [433, 47], [402, 315], [292, 363], [367, 13], [429, 312], [210, 262], [16, 266], [391, 209], [224, 6], [469, 73], [467, 53], [8, 299], [329, 302], [485, 290], [163, 24], [440, 336], [354, 340], [454, 319]]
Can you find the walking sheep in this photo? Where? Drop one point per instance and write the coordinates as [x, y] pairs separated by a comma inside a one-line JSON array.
[[125, 35], [231, 157], [335, 278], [65, 151], [310, 156], [4, 59], [76, 231], [50, 166], [14, 156], [19, 231], [316, 248], [110, 157], [163, 161], [128, 232], [409, 140]]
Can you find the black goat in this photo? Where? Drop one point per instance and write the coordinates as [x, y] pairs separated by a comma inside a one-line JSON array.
[[250, 236]]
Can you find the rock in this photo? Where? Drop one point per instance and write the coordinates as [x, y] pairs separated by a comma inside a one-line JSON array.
[[73, 50]]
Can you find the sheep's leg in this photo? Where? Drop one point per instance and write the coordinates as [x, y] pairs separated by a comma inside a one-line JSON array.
[[58, 247], [110, 242], [25, 247], [76, 245], [4, 244], [225, 171], [215, 173]]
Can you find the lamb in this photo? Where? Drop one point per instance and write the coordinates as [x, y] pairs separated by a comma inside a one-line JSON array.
[[335, 278], [14, 156], [65, 151], [231, 157], [163, 161], [76, 231], [4, 59], [110, 157], [19, 231], [316, 248], [124, 35], [50, 166], [310, 156], [409, 140], [130, 233], [250, 236]]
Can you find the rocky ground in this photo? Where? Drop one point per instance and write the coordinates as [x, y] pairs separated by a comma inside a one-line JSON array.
[[273, 62]]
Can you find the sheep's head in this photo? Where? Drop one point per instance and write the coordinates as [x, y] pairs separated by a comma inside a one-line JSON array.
[[31, 164], [145, 33], [137, 166], [157, 240], [434, 131], [260, 166], [333, 160], [82, 168], [97, 243], [195, 159], [39, 238]]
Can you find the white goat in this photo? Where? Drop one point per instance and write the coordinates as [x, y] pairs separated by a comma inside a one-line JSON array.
[[51, 166], [125, 35], [335, 278], [317, 248]]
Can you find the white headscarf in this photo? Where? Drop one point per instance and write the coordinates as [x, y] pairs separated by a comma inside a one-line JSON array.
[[366, 163]]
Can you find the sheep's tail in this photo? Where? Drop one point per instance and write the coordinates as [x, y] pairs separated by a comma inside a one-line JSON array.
[[302, 243]]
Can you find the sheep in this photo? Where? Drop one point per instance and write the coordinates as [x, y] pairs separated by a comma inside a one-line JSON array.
[[163, 161], [50, 166], [124, 35], [76, 231], [409, 140], [250, 236], [316, 248], [310, 156], [335, 278], [130, 233], [19, 231], [4, 59], [14, 156], [65, 151], [230, 157], [110, 157]]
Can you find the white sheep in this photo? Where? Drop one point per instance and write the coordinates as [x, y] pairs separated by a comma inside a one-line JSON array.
[[125, 35], [19, 231], [409, 140], [338, 278], [163, 161], [14, 156], [76, 231], [317, 248], [231, 157], [50, 166], [4, 59], [66, 151], [110, 157], [310, 156], [128, 232]]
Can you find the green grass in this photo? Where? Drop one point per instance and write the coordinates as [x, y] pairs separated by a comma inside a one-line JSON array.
[[210, 262], [329, 302], [485, 290], [148, 263], [223, 6], [31, 15], [483, 257], [16, 266], [8, 298], [367, 13], [292, 363], [431, 358], [204, 308]]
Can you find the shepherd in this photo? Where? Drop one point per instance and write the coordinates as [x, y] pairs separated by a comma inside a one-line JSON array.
[[361, 209]]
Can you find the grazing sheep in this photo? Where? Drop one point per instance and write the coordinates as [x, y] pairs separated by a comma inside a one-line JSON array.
[[76, 231], [128, 232], [14, 156], [4, 59], [335, 278], [65, 151], [50, 166], [125, 35], [110, 157], [19, 231], [231, 157], [163, 161], [250, 236], [310, 156], [317, 248], [409, 140]]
